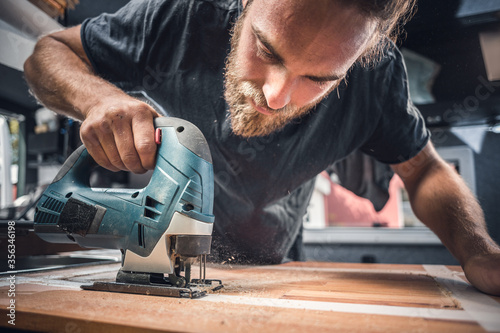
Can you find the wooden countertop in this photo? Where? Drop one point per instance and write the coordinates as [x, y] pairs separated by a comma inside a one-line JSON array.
[[292, 297]]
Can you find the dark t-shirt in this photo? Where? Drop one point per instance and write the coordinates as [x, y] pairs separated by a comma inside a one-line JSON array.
[[174, 51]]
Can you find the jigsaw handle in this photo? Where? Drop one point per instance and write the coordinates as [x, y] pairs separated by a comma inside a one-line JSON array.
[[78, 167], [80, 163], [188, 135]]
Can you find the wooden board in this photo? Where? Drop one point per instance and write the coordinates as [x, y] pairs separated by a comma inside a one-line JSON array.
[[293, 297]]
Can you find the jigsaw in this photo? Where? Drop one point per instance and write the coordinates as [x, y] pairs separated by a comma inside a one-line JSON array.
[[161, 229]]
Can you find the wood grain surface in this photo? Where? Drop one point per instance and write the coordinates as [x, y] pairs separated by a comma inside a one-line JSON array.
[[293, 297]]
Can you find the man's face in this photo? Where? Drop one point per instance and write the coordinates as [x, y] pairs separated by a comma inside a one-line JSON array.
[[286, 56]]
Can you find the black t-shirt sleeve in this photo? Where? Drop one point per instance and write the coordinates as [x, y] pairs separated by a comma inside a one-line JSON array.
[[401, 132], [121, 45], [150, 42]]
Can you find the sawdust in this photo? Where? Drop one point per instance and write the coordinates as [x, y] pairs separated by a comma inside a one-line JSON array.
[[229, 260], [444, 291], [209, 290], [447, 293], [265, 283]]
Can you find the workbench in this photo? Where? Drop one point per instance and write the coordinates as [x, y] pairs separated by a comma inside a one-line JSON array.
[[292, 297]]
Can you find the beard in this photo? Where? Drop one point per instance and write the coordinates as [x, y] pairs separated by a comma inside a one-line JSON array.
[[245, 120]]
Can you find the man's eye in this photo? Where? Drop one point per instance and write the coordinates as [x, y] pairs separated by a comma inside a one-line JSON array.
[[330, 84], [263, 53], [320, 83]]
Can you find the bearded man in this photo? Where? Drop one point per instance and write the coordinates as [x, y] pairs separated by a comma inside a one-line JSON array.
[[281, 89]]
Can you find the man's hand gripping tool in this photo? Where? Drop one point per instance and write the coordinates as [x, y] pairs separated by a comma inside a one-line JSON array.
[[160, 229]]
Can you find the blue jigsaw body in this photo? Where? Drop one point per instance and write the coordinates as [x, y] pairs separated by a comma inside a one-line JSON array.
[[178, 198]]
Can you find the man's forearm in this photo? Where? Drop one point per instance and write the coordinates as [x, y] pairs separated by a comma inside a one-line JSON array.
[[446, 205], [62, 81], [116, 129]]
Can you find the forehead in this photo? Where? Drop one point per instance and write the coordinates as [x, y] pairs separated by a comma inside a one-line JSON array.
[[317, 33]]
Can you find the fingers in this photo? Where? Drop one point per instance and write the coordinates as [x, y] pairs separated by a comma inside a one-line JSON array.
[[144, 142], [120, 135], [95, 142], [483, 271], [125, 153]]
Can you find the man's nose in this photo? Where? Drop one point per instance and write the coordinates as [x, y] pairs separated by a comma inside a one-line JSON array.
[[278, 88]]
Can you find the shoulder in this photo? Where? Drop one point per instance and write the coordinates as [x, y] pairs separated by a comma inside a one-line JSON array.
[[162, 8], [222, 4], [379, 81], [191, 6]]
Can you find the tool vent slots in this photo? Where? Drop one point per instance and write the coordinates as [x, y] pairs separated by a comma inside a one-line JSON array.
[[192, 198], [153, 209], [140, 234], [51, 210]]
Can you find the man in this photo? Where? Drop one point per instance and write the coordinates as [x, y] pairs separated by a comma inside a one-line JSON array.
[[292, 100]]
